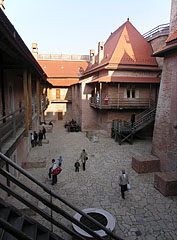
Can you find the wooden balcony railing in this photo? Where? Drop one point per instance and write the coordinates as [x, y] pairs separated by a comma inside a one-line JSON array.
[[10, 124], [122, 103], [61, 99]]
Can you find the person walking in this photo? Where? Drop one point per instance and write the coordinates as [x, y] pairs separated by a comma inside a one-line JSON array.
[[40, 137], [77, 165], [54, 176], [123, 181], [83, 158], [44, 132], [132, 119], [32, 140], [35, 138], [60, 161]]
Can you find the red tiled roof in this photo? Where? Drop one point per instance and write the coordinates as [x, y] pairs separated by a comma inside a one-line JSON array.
[[126, 46], [127, 79], [63, 82], [56, 68], [172, 37]]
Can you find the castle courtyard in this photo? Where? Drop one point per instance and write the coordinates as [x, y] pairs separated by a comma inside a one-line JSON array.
[[144, 214]]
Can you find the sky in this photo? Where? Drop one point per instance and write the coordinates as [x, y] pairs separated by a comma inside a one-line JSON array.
[[76, 26]]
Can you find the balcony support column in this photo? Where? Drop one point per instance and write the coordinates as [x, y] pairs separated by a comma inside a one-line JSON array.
[[25, 87], [38, 98], [100, 94], [30, 100], [150, 89], [118, 92]]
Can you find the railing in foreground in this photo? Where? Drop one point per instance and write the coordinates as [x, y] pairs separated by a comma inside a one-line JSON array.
[[48, 203]]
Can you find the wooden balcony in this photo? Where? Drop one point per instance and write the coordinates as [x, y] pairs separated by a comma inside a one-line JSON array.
[[122, 103], [61, 100]]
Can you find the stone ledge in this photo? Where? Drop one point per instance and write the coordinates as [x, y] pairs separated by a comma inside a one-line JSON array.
[[166, 183], [27, 165], [145, 164], [45, 141]]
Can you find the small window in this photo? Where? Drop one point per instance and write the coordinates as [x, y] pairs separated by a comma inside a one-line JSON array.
[[133, 92], [128, 93], [58, 93]]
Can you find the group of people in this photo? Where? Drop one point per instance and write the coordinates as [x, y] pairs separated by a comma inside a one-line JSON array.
[[55, 169], [36, 138]]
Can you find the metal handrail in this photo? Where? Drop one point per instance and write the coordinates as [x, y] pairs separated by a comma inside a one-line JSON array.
[[157, 29], [53, 194]]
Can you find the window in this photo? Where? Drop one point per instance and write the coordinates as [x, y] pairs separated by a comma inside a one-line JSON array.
[[131, 91], [58, 93]]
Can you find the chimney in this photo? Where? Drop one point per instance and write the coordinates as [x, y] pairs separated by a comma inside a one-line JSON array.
[[2, 5], [35, 50], [173, 17], [92, 57], [100, 52]]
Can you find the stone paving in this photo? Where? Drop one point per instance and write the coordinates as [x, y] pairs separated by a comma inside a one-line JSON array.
[[145, 214]]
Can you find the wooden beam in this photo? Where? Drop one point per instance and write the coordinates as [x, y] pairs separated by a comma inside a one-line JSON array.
[[25, 88], [30, 101]]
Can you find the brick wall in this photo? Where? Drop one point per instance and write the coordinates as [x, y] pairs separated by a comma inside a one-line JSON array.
[[165, 135]]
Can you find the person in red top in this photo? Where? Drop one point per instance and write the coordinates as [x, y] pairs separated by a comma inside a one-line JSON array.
[[106, 100]]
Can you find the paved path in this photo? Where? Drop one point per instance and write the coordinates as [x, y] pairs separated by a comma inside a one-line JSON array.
[[144, 214]]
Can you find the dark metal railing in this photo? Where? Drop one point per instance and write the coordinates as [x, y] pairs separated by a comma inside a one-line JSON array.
[[10, 124], [163, 28], [121, 103], [48, 203]]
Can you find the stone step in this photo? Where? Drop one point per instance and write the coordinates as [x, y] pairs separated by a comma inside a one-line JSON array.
[[145, 164], [166, 183]]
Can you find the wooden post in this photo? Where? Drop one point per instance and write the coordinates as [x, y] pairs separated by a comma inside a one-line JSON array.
[[38, 98], [30, 101], [25, 88], [118, 93], [100, 94], [95, 96], [150, 95]]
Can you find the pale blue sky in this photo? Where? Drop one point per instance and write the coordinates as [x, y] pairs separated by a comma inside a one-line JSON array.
[[76, 26]]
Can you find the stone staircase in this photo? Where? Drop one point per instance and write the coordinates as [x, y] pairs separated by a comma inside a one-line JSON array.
[[15, 225]]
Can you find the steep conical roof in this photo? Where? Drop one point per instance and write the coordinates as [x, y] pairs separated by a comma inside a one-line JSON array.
[[127, 47]]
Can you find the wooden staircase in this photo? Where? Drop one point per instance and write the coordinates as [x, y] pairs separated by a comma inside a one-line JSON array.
[[124, 131]]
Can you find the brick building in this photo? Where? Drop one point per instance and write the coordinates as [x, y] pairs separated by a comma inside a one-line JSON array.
[[124, 72], [62, 71], [163, 160]]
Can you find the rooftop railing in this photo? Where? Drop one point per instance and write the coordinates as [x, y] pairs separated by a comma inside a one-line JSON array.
[[162, 29]]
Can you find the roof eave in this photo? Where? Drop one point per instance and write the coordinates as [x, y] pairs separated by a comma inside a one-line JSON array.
[[163, 52]]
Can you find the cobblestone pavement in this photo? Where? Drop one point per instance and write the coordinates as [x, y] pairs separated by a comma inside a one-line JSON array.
[[144, 214]]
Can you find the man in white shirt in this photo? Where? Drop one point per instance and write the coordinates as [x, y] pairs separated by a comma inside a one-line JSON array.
[[123, 180]]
